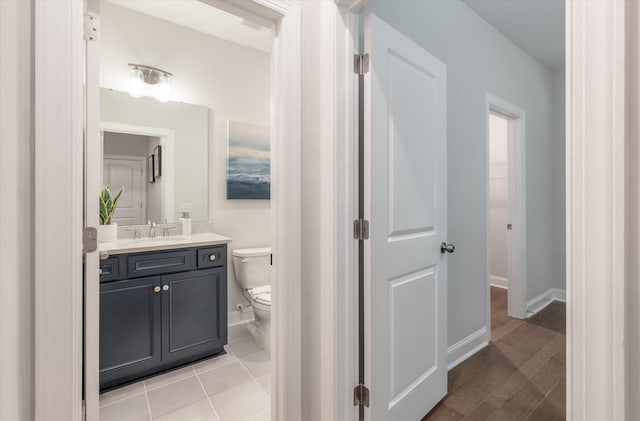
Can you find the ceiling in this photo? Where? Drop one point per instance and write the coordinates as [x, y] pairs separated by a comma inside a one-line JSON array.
[[536, 26], [201, 17]]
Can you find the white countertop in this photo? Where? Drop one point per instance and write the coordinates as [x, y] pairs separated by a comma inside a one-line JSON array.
[[162, 243]]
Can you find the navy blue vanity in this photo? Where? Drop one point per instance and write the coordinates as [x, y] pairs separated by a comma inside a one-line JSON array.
[[160, 309]]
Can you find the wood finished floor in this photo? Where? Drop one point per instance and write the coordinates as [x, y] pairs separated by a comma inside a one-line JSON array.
[[519, 376]]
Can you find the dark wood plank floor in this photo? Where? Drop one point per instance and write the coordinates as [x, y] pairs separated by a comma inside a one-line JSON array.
[[519, 376]]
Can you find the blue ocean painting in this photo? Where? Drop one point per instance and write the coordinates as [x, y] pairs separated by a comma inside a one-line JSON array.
[[248, 161]]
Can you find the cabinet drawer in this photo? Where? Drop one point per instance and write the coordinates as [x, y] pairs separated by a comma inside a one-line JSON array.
[[109, 269], [212, 257], [161, 263]]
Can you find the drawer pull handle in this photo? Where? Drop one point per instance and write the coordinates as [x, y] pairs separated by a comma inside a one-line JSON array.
[[212, 257], [156, 289], [165, 287]]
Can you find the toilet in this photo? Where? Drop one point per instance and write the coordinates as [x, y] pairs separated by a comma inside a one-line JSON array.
[[252, 268]]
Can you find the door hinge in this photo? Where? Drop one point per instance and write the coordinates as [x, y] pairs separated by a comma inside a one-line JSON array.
[[361, 396], [91, 27], [89, 240], [361, 229], [361, 64]]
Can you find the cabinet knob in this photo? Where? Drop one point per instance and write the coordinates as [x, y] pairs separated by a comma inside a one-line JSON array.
[[156, 289], [165, 287], [100, 271], [212, 257]]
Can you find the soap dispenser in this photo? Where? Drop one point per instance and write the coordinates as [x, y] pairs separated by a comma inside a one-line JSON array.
[[186, 222]]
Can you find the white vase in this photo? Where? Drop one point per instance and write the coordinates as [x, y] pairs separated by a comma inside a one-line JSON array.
[[108, 233]]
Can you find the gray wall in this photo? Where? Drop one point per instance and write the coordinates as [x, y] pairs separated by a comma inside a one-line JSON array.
[[480, 59], [558, 120], [16, 211]]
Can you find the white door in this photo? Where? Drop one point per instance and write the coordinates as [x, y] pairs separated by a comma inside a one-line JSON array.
[[405, 201], [127, 172]]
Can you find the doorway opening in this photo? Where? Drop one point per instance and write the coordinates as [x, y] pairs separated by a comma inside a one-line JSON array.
[[505, 207], [125, 163], [499, 220]]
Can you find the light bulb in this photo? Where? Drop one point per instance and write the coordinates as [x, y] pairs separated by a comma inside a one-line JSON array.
[[163, 89], [137, 83]]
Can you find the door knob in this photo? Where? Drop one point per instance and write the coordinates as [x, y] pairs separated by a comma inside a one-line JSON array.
[[447, 248]]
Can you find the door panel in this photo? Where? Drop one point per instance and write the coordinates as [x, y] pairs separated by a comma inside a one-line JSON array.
[[194, 311], [127, 173], [405, 201], [129, 327]]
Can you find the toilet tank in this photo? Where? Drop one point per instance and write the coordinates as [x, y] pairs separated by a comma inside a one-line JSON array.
[[252, 267]]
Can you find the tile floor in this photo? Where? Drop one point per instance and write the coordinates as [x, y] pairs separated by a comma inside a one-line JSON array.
[[233, 387]]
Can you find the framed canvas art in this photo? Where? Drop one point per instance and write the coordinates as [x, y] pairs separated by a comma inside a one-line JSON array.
[[248, 161]]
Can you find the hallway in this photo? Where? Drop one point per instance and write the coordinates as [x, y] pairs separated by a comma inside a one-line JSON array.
[[519, 376]]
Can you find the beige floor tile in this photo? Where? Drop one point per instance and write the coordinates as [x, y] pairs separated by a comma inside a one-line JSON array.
[[121, 393], [169, 377], [258, 364], [265, 382], [245, 347], [167, 399], [199, 412], [241, 403], [263, 416], [131, 409], [213, 362], [223, 378]]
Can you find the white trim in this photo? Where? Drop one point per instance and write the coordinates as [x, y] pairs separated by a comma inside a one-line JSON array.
[[286, 215], [468, 346], [498, 282], [539, 303], [59, 115], [596, 306], [346, 358], [167, 140], [517, 243]]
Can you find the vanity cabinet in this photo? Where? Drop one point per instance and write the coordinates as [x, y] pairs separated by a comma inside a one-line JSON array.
[[150, 324]]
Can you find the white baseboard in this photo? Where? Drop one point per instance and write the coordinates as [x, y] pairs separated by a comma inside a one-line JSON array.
[[468, 346], [538, 303], [499, 282]]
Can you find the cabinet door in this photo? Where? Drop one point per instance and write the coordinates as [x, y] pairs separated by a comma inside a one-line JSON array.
[[194, 313], [129, 327]]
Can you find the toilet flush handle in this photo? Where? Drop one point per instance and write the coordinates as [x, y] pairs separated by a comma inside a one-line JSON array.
[[244, 260]]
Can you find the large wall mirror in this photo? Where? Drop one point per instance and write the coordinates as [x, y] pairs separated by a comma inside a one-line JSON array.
[[158, 151]]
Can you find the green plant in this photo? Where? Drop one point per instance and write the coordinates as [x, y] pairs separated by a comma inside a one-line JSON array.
[[108, 204]]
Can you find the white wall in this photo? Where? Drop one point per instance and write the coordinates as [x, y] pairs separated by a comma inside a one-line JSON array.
[[17, 396], [480, 59], [232, 80], [498, 199], [125, 144]]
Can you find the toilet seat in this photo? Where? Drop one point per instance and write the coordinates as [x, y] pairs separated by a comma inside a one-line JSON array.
[[261, 295]]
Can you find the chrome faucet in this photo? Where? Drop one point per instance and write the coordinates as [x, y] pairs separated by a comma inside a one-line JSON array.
[[152, 229], [165, 230], [136, 232]]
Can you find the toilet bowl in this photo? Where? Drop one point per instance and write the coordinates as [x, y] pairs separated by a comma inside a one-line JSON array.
[[252, 268]]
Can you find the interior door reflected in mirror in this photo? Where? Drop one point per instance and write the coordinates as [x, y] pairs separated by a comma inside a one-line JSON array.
[[157, 151]]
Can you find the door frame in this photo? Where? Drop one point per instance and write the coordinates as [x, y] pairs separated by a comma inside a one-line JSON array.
[[167, 142], [59, 122], [517, 191]]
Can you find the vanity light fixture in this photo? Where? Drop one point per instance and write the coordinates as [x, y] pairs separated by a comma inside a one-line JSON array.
[[150, 80]]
